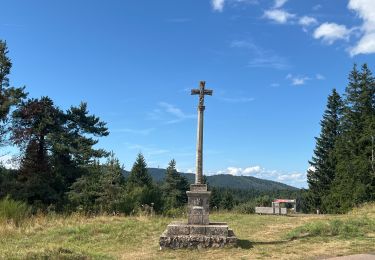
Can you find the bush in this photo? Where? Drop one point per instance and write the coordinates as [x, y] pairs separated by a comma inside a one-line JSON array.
[[14, 211], [245, 208]]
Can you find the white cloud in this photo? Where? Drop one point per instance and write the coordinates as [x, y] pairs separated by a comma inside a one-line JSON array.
[[251, 170], [279, 3], [134, 131], [240, 171], [297, 80], [292, 178], [317, 7], [331, 32], [278, 15], [306, 21], [320, 77], [218, 5], [261, 58], [366, 11], [169, 113], [8, 162], [237, 100]]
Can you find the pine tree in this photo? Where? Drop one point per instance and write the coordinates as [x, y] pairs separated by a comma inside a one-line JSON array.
[[55, 145], [139, 176], [227, 201], [354, 182], [324, 161], [9, 96], [175, 187]]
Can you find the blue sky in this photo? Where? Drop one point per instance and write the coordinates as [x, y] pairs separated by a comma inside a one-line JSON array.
[[271, 65]]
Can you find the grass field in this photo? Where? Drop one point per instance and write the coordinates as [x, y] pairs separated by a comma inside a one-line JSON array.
[[260, 237]]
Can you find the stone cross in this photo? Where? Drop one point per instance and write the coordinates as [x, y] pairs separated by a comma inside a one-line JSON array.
[[199, 161]]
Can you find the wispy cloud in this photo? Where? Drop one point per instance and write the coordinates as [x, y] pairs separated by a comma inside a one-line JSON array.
[[278, 15], [169, 113], [178, 20], [148, 150], [331, 32], [259, 57], [134, 131], [297, 80], [218, 5], [317, 7], [237, 100], [307, 21], [320, 77], [279, 3], [292, 178]]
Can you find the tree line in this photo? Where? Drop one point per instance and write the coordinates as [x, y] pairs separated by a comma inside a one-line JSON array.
[[60, 170], [342, 172]]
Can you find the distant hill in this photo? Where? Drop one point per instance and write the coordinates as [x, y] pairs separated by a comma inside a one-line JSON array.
[[227, 181]]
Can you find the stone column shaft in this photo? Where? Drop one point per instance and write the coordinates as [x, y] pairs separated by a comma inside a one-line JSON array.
[[199, 159]]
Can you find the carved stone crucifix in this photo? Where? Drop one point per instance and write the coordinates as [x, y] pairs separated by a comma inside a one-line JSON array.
[[202, 91]]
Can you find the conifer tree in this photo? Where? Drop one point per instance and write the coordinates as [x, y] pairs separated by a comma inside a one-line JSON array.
[[324, 161], [46, 135], [175, 187], [355, 183], [139, 176], [9, 96]]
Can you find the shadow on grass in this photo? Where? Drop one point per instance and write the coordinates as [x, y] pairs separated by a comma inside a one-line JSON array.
[[247, 244]]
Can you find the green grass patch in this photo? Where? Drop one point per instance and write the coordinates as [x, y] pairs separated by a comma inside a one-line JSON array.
[[343, 228], [13, 211]]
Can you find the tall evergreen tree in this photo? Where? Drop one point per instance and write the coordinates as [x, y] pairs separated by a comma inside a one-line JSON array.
[[354, 182], [175, 187], [9, 96], [46, 134], [324, 161], [139, 176]]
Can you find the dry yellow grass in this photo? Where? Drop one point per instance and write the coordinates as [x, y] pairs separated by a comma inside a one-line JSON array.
[[109, 237]]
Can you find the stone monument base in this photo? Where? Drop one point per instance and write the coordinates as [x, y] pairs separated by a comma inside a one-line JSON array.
[[182, 235]]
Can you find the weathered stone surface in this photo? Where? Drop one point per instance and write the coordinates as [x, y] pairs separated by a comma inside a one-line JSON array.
[[197, 236], [216, 230], [177, 229], [198, 206], [192, 242], [198, 187]]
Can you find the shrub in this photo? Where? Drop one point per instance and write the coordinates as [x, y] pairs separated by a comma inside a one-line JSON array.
[[14, 211], [245, 208]]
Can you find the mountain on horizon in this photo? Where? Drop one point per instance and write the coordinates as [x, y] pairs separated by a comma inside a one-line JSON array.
[[227, 181]]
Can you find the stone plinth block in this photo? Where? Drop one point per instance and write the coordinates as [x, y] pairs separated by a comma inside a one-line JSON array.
[[182, 235], [198, 205]]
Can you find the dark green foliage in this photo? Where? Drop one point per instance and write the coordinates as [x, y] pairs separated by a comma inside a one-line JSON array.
[[100, 190], [245, 208], [351, 158], [174, 188], [324, 160], [227, 201], [215, 198], [9, 96], [139, 176], [55, 146]]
